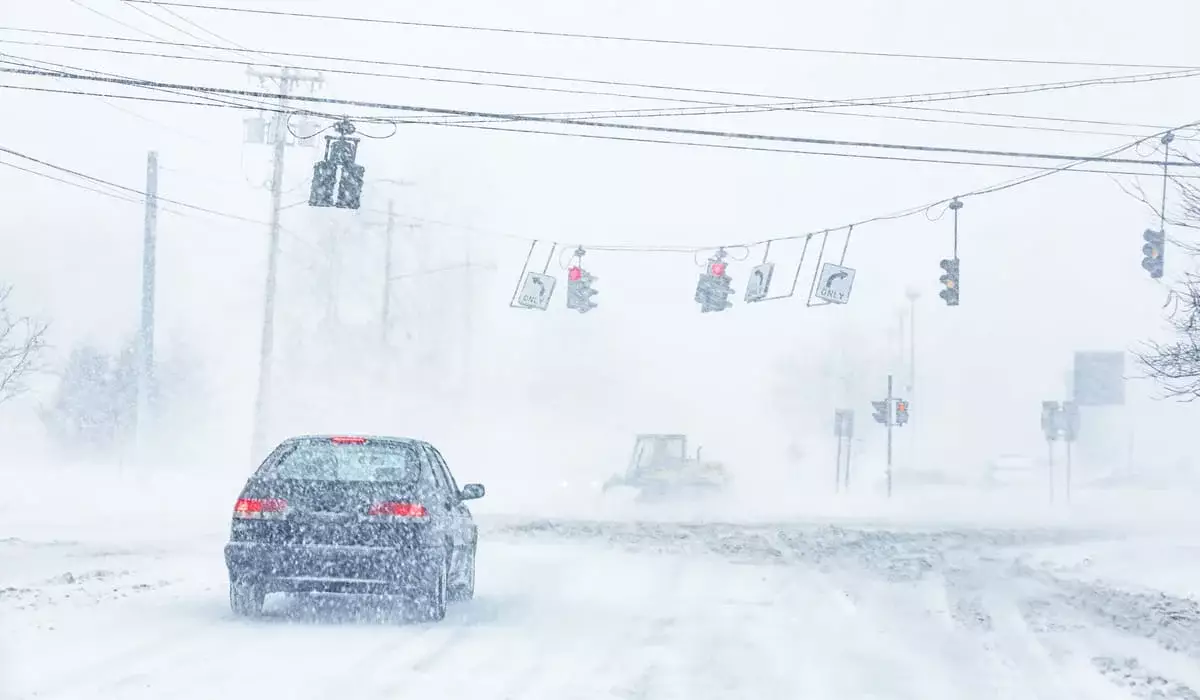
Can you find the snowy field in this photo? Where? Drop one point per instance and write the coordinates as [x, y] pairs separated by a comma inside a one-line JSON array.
[[115, 588]]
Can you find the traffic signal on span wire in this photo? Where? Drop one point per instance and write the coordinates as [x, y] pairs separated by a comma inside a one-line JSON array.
[[579, 289], [950, 281], [714, 288], [1152, 251]]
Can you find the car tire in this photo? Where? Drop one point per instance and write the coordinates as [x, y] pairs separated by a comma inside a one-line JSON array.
[[246, 599], [465, 589], [430, 602]]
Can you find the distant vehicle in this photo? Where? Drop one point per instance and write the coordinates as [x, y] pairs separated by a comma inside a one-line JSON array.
[[660, 469], [353, 514]]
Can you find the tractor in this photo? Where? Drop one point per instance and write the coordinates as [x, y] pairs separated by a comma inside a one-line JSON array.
[[660, 469]]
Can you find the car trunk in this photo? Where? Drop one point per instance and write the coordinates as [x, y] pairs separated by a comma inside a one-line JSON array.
[[330, 512]]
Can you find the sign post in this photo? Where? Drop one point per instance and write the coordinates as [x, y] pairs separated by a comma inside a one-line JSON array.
[[843, 428], [889, 438], [1070, 426], [1051, 427], [892, 411]]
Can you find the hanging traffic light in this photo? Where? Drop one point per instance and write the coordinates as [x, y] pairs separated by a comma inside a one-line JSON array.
[[350, 188], [901, 411], [1153, 252], [324, 184], [327, 190], [950, 281], [579, 289], [882, 411], [714, 287]]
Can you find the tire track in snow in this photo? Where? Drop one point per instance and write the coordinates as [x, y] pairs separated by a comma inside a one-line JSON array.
[[1132, 649]]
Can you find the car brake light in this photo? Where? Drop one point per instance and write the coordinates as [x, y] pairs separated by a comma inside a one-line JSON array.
[[398, 510], [348, 440], [259, 508]]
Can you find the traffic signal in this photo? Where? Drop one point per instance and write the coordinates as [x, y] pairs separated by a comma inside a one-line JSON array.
[[714, 288], [1153, 252], [901, 411], [340, 152], [881, 412], [350, 188], [950, 280], [579, 289], [324, 184]]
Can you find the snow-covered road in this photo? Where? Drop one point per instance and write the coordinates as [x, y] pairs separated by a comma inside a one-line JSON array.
[[612, 610]]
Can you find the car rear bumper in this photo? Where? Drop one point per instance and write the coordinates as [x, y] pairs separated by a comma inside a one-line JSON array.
[[331, 568]]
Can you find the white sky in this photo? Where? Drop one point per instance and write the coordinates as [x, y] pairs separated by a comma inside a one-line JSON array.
[[1047, 268]]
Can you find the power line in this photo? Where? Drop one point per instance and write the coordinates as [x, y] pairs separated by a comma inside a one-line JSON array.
[[130, 190], [610, 137], [650, 86], [634, 249], [26, 63], [600, 113], [649, 40], [583, 122], [861, 156]]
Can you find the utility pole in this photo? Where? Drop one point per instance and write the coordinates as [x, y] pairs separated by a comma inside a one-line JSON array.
[[145, 345], [387, 272], [468, 316], [889, 437], [286, 79], [912, 295]]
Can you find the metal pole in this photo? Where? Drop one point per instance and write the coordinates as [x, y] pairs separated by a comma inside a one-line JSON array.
[[912, 295], [1068, 487], [468, 316], [849, 444], [1050, 446], [262, 400], [838, 465], [889, 437], [145, 348], [387, 272]]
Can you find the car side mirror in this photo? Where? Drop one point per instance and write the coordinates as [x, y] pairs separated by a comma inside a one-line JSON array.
[[472, 491]]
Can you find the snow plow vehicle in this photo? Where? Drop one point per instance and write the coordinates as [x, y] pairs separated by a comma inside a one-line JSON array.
[[661, 469]]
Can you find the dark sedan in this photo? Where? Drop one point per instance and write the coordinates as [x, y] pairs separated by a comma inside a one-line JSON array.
[[353, 514]]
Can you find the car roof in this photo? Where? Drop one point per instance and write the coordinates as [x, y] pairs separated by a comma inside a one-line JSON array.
[[330, 436]]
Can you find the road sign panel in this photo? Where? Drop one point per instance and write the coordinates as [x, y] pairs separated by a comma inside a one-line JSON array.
[[835, 283], [536, 291], [760, 282], [843, 422], [1099, 378]]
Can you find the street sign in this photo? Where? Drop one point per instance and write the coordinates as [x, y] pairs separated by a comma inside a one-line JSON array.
[[536, 291], [843, 422], [835, 283], [760, 282], [1051, 419], [1099, 378]]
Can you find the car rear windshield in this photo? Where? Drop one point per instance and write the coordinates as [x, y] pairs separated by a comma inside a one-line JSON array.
[[374, 461]]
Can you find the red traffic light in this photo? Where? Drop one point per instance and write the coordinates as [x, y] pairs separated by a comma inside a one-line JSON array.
[[717, 268], [574, 274]]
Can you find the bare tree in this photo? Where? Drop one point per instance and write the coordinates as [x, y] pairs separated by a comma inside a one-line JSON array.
[[1176, 365], [21, 342]]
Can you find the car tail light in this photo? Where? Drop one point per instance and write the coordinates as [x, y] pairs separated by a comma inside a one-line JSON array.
[[391, 509], [248, 508], [349, 440]]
